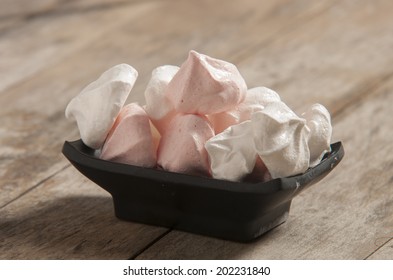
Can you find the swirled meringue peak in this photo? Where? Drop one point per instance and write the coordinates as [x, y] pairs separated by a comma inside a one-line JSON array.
[[95, 109], [182, 145], [319, 123], [231, 153], [205, 85], [281, 140], [158, 106], [131, 140]]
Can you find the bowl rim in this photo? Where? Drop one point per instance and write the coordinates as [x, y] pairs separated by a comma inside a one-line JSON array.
[[77, 152]]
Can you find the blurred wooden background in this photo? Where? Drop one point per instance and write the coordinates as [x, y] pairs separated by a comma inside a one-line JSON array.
[[338, 53]]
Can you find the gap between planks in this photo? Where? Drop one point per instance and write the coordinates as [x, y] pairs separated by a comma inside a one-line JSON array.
[[356, 96], [244, 55], [54, 12], [36, 185], [299, 24], [355, 99], [248, 52], [151, 243], [378, 248], [366, 93], [361, 93]]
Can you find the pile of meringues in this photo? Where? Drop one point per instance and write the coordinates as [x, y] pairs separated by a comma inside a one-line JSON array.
[[200, 119]]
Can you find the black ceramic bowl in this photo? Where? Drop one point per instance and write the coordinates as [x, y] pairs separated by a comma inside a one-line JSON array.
[[229, 210]]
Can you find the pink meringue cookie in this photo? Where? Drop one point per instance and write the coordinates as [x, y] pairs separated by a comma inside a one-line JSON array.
[[158, 106], [256, 99], [182, 145], [232, 153], [223, 120], [205, 85], [95, 109], [130, 140], [318, 121], [280, 138]]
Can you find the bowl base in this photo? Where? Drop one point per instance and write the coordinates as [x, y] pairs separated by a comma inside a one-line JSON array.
[[230, 229], [239, 211]]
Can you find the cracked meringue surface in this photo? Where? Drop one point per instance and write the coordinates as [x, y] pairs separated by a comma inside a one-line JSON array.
[[232, 153], [319, 122], [281, 140]]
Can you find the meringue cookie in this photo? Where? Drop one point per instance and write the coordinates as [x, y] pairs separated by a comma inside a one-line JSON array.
[[158, 106], [95, 109], [182, 145], [223, 120], [318, 121], [256, 99], [205, 85], [130, 140], [280, 138], [232, 153]]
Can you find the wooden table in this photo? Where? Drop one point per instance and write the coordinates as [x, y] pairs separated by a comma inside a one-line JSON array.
[[338, 53]]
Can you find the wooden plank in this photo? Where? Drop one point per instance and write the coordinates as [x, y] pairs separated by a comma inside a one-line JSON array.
[[27, 9], [28, 133], [20, 8], [36, 104], [339, 218], [40, 35], [212, 35], [33, 126], [69, 217], [354, 52], [386, 251], [334, 59]]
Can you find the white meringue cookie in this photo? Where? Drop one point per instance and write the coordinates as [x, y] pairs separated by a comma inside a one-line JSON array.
[[280, 138], [158, 106], [95, 109], [232, 153], [205, 85], [256, 99], [318, 121]]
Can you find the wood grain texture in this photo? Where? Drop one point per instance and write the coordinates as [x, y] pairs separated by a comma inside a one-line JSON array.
[[337, 53], [334, 59], [49, 34], [385, 250], [33, 126], [342, 217], [33, 130], [69, 217]]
